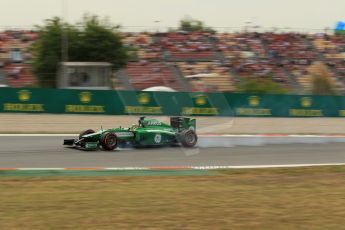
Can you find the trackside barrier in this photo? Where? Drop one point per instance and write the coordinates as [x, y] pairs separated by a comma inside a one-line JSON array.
[[111, 102]]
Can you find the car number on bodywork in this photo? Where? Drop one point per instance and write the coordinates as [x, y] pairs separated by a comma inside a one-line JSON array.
[[158, 138]]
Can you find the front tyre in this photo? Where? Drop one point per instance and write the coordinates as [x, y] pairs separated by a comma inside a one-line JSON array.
[[85, 132], [108, 141], [188, 138]]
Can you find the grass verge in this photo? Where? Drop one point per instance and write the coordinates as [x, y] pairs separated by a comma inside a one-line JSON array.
[[295, 198]]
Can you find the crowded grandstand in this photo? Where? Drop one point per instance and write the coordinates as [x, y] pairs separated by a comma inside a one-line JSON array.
[[204, 61]]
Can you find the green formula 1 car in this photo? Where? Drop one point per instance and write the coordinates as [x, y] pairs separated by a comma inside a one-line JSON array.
[[149, 132]]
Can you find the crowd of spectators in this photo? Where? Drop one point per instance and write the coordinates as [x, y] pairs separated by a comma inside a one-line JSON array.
[[283, 57], [333, 50], [207, 76], [250, 57], [187, 45], [145, 74], [15, 55], [144, 44], [260, 68], [15, 45], [240, 45], [196, 45], [292, 51]]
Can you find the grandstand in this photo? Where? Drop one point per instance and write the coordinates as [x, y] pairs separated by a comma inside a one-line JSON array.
[[20, 75], [207, 76], [202, 61], [144, 74]]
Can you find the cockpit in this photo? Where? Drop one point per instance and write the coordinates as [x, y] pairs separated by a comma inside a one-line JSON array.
[[141, 122]]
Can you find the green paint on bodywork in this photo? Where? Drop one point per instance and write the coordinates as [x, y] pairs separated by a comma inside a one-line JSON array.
[[91, 145], [44, 173], [147, 133]]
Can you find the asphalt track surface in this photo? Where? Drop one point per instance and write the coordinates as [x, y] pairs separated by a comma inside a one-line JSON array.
[[48, 152]]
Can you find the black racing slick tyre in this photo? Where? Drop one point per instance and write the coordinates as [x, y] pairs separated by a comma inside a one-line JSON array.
[[85, 132], [188, 138], [108, 141]]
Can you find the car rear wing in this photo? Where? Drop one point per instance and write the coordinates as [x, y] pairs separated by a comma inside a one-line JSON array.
[[182, 123]]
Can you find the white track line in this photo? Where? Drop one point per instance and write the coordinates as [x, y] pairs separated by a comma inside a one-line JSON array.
[[201, 135], [264, 166], [38, 135], [210, 167]]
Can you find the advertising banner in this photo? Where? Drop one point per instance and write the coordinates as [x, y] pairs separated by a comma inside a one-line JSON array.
[[13, 100]]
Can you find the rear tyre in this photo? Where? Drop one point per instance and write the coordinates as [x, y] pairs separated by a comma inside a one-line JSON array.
[[188, 138], [108, 141], [85, 132]]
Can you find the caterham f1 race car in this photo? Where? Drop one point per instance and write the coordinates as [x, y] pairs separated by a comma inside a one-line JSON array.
[[148, 132]]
